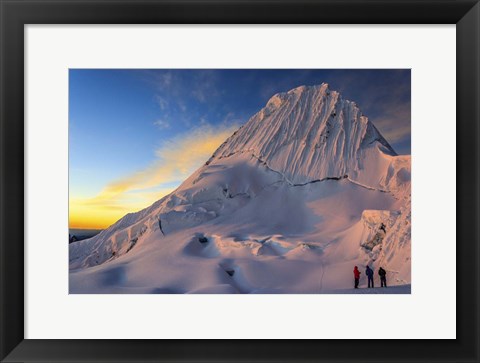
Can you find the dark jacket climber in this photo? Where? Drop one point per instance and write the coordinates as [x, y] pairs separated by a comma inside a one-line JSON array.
[[369, 273], [383, 276], [356, 275]]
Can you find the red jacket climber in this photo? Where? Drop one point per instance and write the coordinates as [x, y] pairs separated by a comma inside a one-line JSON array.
[[356, 274]]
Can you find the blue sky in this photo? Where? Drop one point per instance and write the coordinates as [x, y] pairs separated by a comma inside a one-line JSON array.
[[127, 125]]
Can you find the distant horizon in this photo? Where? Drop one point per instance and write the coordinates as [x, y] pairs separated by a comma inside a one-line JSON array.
[[136, 134], [85, 229]]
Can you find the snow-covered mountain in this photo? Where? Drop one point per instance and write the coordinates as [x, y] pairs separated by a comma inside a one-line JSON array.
[[304, 191]]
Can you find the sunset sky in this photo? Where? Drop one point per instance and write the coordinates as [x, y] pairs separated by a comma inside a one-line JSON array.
[[135, 135]]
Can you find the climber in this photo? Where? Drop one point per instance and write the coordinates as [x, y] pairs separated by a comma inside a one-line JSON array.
[[356, 275], [383, 276], [369, 273]]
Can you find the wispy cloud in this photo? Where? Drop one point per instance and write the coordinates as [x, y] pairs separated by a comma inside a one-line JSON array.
[[204, 86], [162, 102], [199, 85], [175, 161], [162, 124], [184, 93], [182, 106], [165, 79]]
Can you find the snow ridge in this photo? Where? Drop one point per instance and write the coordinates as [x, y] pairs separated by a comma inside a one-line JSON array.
[[310, 133]]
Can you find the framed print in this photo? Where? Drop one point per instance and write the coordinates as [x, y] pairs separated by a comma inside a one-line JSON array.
[[256, 216], [239, 181]]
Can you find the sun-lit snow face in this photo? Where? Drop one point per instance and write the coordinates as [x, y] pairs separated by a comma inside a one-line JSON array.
[[312, 133]]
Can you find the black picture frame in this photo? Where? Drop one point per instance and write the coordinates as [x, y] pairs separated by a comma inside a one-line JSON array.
[[15, 14]]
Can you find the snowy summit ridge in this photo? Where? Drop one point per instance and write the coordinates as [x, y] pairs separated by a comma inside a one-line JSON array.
[[309, 133], [289, 203]]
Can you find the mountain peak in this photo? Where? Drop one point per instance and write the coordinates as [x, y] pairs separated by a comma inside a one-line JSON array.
[[279, 98], [309, 133]]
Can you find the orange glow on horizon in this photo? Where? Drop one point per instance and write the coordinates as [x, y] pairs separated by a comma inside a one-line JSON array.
[[83, 214], [174, 162]]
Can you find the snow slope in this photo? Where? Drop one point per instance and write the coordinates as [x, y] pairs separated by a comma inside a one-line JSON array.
[[304, 191]]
